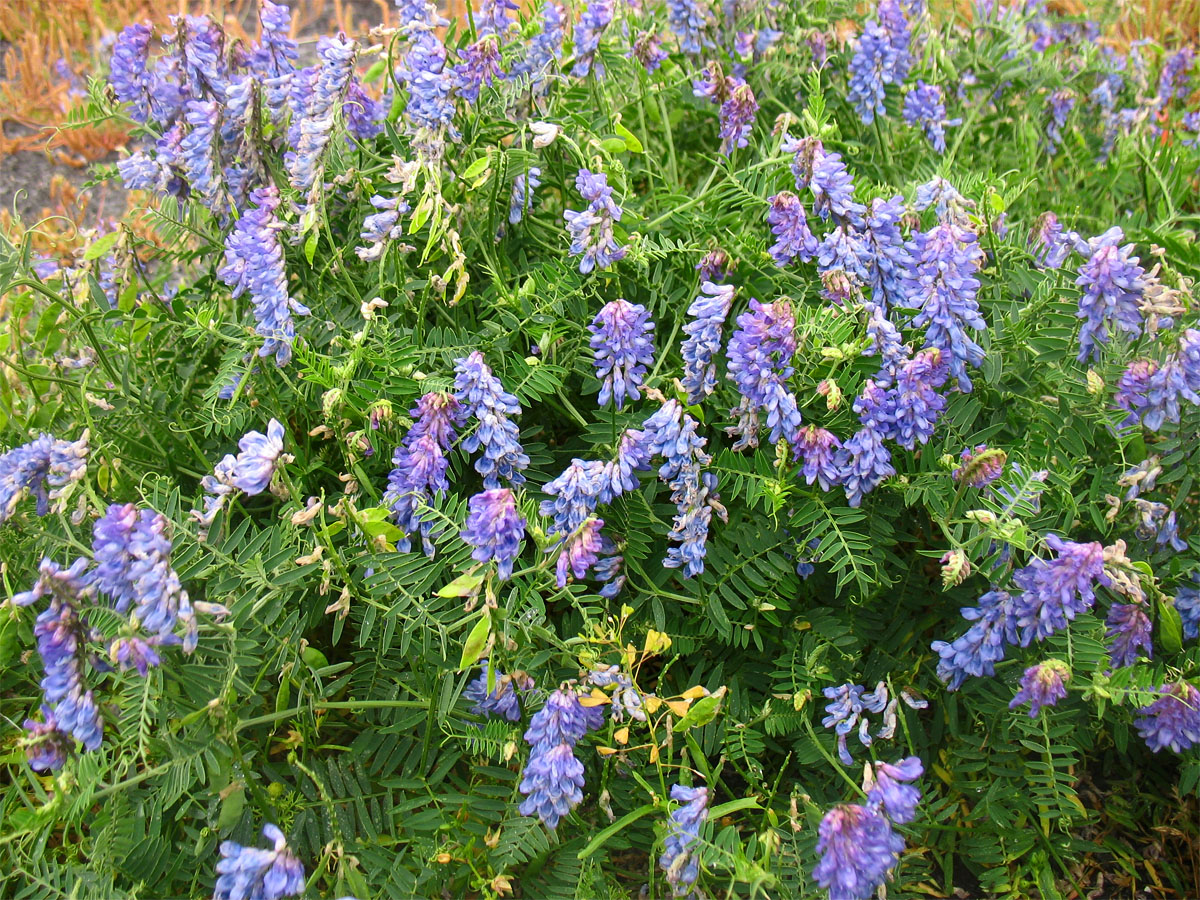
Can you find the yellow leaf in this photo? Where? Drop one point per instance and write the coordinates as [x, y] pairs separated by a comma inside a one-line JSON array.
[[654, 753], [596, 698], [606, 751], [651, 704], [622, 735], [679, 707], [694, 693]]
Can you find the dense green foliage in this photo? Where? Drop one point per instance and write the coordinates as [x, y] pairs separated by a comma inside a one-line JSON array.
[[328, 700]]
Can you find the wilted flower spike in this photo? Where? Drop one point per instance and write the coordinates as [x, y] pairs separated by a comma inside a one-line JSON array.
[[622, 342], [250, 873], [1042, 685], [679, 859], [858, 847], [502, 702]]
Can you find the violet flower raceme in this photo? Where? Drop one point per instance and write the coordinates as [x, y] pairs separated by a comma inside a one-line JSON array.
[[576, 492], [250, 873], [198, 154], [133, 567], [1113, 284], [273, 58], [254, 264], [617, 477], [818, 448], [480, 66], [1173, 720], [597, 16], [1187, 604], [46, 745], [845, 713], [885, 254], [545, 48], [886, 343], [553, 778], [623, 344], [863, 462], [887, 790], [503, 701], [419, 466], [429, 84], [522, 193], [1175, 78], [484, 399], [925, 108], [591, 229], [1055, 591], [1058, 106], [41, 463], [127, 70], [789, 224], [916, 403], [689, 21], [841, 260], [858, 847], [1129, 630], [61, 635], [679, 860], [495, 17], [1042, 685], [882, 57], [983, 645], [494, 528], [737, 117], [305, 163], [707, 316], [580, 551], [1050, 242], [760, 363], [364, 114], [942, 287], [825, 175]]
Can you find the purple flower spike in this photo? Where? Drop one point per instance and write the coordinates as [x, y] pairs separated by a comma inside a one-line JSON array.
[[591, 229], [925, 108], [621, 340], [249, 873], [737, 117], [1113, 285], [890, 793], [1129, 629], [553, 784], [494, 528], [484, 398], [597, 16], [858, 847], [760, 363], [679, 860], [254, 265], [984, 644], [127, 71], [1042, 685], [1055, 591], [708, 313], [818, 448], [46, 746], [1173, 720], [580, 551], [790, 225]]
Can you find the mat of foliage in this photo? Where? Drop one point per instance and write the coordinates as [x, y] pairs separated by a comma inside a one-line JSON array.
[[614, 450]]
